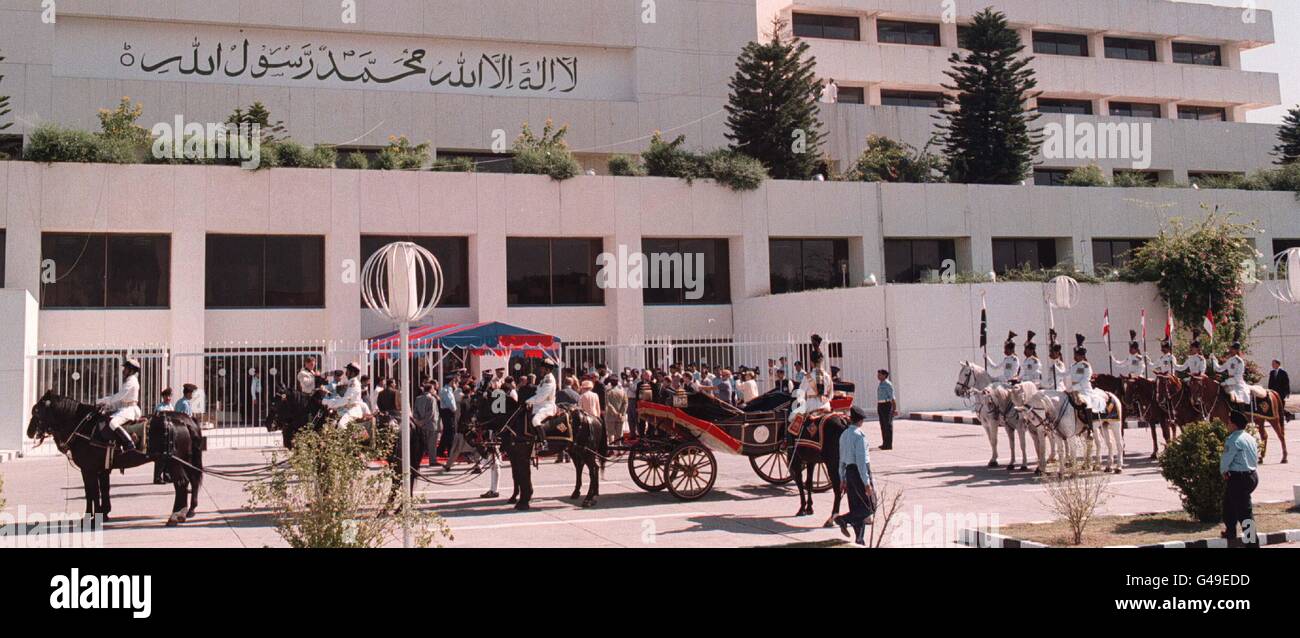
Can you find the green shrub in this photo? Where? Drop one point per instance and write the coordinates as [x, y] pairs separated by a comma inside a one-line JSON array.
[[290, 154], [356, 160], [1130, 179], [1228, 181], [626, 166], [1284, 178], [120, 123], [52, 143], [887, 160], [547, 154], [1088, 176], [736, 171], [1191, 463], [459, 164], [401, 154], [668, 159]]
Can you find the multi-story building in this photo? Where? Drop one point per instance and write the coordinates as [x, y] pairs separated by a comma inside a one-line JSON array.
[[192, 256]]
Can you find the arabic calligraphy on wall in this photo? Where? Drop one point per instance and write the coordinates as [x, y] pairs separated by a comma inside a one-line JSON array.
[[199, 53]]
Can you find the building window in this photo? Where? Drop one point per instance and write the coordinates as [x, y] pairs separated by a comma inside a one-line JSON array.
[[1199, 54], [852, 95], [1018, 254], [265, 271], [964, 32], [1202, 113], [1282, 245], [814, 25], [1064, 107], [552, 272], [909, 261], [1052, 43], [1134, 109], [106, 270], [1131, 49], [1051, 176], [665, 266], [898, 32], [808, 264], [453, 257], [484, 161], [1111, 254], [11, 146], [922, 99]]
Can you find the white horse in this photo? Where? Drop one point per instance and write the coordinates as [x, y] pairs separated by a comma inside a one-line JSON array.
[[1052, 412], [992, 407]]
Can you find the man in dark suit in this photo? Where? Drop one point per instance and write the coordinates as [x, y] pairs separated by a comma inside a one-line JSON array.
[[1280, 382]]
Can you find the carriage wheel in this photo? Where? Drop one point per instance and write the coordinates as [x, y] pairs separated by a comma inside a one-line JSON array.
[[821, 479], [692, 471], [774, 467], [648, 470]]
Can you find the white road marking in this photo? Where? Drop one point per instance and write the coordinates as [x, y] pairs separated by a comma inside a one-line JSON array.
[[576, 521]]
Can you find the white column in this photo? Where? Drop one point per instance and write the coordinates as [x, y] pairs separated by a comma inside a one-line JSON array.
[[17, 365]]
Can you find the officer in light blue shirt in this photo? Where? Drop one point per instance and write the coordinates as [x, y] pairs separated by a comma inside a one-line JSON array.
[[184, 406], [1238, 464], [886, 407], [855, 477]]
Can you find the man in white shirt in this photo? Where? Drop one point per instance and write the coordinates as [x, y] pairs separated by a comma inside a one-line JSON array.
[[1136, 363], [348, 404], [831, 93], [1032, 370], [1195, 364], [1009, 368], [1168, 363], [542, 403], [1081, 382], [123, 407]]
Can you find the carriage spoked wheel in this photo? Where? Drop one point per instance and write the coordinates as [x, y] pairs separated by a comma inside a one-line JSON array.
[[692, 470], [773, 467], [649, 470], [821, 479]]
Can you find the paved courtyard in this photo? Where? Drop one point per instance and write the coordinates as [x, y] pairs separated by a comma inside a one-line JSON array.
[[940, 467]]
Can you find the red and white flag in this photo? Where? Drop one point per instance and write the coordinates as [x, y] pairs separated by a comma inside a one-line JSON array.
[[1169, 325], [1105, 327], [1209, 323], [1144, 324]]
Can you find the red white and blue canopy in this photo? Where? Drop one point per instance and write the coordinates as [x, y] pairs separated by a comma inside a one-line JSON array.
[[494, 338]]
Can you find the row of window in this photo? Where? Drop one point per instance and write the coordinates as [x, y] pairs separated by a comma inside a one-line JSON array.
[[1132, 109], [814, 25]]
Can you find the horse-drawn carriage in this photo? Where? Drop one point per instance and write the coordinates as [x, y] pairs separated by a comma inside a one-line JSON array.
[[676, 451]]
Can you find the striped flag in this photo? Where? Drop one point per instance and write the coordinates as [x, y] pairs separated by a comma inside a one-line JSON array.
[[1105, 327], [1169, 326], [1208, 325], [1144, 324]]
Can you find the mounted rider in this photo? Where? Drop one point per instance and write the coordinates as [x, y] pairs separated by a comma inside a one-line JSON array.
[[542, 403], [1234, 382], [307, 376], [1057, 371], [123, 407], [1136, 363], [1032, 370], [1085, 395], [1195, 364], [1168, 363], [1008, 370], [348, 403]]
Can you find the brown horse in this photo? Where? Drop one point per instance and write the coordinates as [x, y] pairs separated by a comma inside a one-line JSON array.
[[1141, 395], [1212, 403]]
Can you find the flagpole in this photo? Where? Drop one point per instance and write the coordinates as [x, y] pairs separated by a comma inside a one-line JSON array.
[[1146, 367]]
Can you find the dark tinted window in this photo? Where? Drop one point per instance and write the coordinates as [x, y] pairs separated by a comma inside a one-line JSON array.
[[923, 99], [807, 264], [912, 260], [963, 35], [483, 162], [265, 271], [105, 270], [714, 284], [812, 25], [918, 33], [1068, 107], [1113, 253], [453, 257], [1016, 254], [1050, 176], [552, 272], [1200, 54], [1131, 49], [1203, 113], [1134, 109], [852, 95], [1051, 43]]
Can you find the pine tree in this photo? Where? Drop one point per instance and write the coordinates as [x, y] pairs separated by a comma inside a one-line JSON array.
[[986, 129], [772, 110], [1289, 135]]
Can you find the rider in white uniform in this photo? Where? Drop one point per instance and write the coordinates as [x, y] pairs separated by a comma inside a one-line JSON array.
[[1168, 363], [1234, 369], [1009, 368], [1195, 364], [542, 403], [817, 385], [1081, 381], [1032, 369], [1136, 363], [348, 404], [124, 406], [1055, 376]]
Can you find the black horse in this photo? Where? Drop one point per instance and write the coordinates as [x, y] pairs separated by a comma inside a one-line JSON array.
[[818, 442], [81, 432], [570, 430], [289, 411]]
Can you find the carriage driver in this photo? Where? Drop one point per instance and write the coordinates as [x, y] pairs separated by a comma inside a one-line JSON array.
[[542, 403], [1009, 369], [1032, 371], [124, 407], [1081, 383], [348, 404]]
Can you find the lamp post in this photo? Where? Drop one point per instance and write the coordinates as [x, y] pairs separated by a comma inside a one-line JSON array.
[[403, 282], [1060, 292]]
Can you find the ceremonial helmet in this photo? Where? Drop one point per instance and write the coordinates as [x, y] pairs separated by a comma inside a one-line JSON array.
[[1010, 345], [1078, 348], [132, 363], [1030, 346], [1133, 340]]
